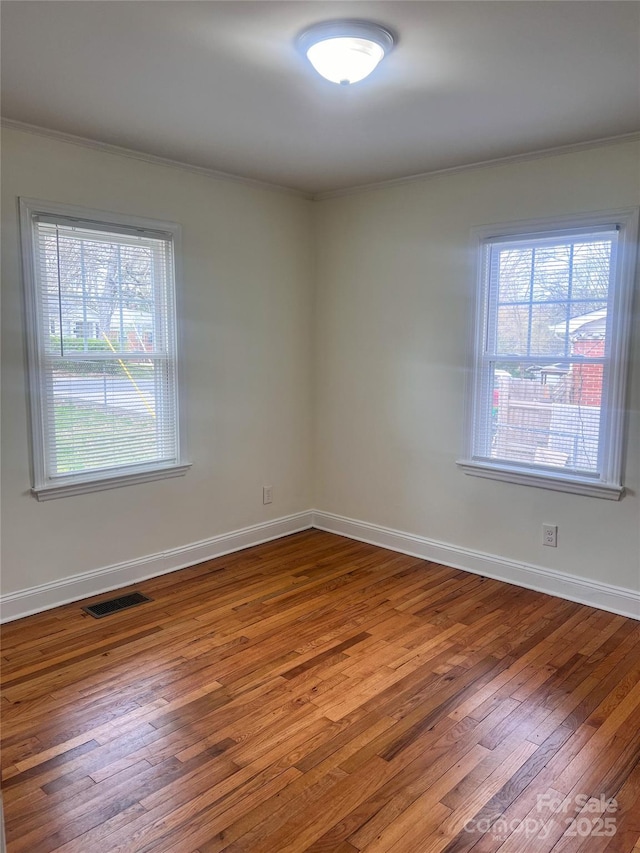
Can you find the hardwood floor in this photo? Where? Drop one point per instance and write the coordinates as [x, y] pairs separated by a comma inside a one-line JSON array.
[[318, 694]]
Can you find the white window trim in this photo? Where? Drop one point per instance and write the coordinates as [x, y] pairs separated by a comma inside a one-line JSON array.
[[42, 488], [610, 485]]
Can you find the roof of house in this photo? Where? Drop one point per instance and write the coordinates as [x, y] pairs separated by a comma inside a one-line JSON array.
[[590, 325]]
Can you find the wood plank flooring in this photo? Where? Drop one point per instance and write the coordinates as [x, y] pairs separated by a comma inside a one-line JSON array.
[[323, 695]]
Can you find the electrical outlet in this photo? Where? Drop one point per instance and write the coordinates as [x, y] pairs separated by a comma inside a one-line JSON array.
[[550, 535], [267, 494]]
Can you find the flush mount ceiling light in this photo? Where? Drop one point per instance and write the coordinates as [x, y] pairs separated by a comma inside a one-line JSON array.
[[345, 52]]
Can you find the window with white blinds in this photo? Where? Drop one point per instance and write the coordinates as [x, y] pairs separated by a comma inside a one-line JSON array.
[[551, 348], [102, 349]]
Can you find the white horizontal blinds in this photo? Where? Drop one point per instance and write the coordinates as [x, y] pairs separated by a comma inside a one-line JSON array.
[[107, 346], [544, 364]]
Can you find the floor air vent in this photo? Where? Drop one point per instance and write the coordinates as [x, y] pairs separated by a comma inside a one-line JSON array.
[[114, 605]]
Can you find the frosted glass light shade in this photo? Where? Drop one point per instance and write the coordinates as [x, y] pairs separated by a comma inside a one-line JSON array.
[[345, 52], [345, 60]]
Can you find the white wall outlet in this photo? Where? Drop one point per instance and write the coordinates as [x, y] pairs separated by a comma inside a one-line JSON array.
[[550, 535], [267, 494]]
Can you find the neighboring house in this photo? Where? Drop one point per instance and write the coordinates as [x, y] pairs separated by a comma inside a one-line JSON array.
[[587, 334]]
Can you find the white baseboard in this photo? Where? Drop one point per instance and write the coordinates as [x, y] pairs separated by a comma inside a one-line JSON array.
[[615, 599], [15, 605]]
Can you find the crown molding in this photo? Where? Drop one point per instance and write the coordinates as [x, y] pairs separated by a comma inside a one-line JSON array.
[[154, 159], [480, 164], [61, 136]]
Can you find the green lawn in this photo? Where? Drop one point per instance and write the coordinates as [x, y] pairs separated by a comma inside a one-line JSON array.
[[135, 369], [81, 429]]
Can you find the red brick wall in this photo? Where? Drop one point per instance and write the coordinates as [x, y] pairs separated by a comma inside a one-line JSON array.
[[586, 379]]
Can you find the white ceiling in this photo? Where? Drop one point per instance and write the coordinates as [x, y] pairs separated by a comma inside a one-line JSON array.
[[221, 85]]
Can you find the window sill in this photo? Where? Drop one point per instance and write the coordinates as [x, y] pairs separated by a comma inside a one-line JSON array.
[[83, 487], [542, 480]]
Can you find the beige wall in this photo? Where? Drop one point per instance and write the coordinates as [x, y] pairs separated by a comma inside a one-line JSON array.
[[358, 365], [394, 287], [247, 316]]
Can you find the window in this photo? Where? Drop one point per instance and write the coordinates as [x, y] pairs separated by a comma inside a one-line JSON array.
[[101, 332], [552, 328]]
